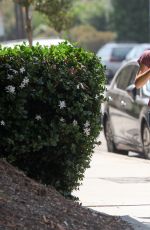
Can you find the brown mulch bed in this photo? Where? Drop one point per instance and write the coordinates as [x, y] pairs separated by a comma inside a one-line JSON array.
[[27, 205]]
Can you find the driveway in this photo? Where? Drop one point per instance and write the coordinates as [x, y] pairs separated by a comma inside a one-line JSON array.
[[118, 185]]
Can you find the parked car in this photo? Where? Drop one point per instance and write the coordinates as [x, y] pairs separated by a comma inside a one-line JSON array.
[[126, 118], [112, 55], [136, 51]]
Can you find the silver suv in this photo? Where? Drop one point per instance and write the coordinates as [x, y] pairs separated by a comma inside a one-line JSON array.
[[112, 55]]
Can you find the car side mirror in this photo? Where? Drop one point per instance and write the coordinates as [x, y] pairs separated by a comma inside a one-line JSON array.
[[131, 90]]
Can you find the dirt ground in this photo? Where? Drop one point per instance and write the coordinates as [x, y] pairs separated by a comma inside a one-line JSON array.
[[27, 205]]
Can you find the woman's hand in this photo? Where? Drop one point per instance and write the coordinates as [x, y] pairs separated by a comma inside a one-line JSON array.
[[142, 77]]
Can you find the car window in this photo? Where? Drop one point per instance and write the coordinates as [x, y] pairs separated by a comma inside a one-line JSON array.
[[126, 76], [141, 50], [119, 53], [132, 53], [105, 51], [137, 51], [135, 69]]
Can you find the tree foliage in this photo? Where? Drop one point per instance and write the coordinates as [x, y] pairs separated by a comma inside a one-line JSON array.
[[92, 12], [131, 20], [57, 12], [24, 2]]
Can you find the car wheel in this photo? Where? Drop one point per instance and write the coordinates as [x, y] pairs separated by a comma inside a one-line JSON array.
[[111, 147], [146, 141], [109, 137]]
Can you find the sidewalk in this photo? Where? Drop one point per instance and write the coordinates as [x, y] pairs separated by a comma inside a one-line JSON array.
[[118, 185]]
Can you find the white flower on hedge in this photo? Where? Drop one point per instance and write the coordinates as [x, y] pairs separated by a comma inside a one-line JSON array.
[[75, 122], [87, 124], [22, 70], [2, 123], [24, 82], [38, 117], [22, 86], [85, 98], [10, 89], [87, 131], [35, 58], [96, 97], [14, 71], [62, 104], [62, 119], [10, 77], [80, 85]]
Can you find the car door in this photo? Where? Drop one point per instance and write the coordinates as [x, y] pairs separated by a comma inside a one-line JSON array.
[[130, 109], [115, 95]]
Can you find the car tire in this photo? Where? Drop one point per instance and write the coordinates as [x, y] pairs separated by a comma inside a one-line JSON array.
[[111, 147], [146, 141]]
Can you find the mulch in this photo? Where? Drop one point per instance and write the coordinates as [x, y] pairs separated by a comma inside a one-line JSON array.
[[27, 205]]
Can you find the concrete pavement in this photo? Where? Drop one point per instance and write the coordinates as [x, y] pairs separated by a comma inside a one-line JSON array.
[[118, 185]]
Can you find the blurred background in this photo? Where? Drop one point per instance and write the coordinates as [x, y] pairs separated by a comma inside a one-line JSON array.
[[90, 23]]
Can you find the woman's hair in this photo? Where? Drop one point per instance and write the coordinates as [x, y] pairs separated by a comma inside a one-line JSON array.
[[145, 58]]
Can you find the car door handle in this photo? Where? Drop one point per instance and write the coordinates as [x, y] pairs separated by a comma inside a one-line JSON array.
[[123, 103]]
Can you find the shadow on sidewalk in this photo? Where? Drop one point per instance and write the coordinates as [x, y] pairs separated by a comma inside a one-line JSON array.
[[136, 224]]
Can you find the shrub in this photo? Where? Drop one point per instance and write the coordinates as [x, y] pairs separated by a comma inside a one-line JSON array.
[[44, 31], [50, 100], [89, 38]]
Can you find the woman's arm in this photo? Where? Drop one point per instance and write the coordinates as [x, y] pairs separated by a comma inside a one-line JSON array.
[[142, 78]]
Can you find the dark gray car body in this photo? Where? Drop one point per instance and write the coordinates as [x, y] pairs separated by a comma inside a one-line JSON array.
[[127, 109]]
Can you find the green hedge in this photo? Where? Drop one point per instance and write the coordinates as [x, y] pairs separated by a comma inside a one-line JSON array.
[[50, 100]]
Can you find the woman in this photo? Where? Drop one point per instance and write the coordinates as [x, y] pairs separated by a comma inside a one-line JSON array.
[[144, 72]]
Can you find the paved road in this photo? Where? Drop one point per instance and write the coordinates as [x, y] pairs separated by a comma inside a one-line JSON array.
[[118, 185]]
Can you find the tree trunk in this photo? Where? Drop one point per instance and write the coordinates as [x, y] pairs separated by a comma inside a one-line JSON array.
[[28, 25]]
